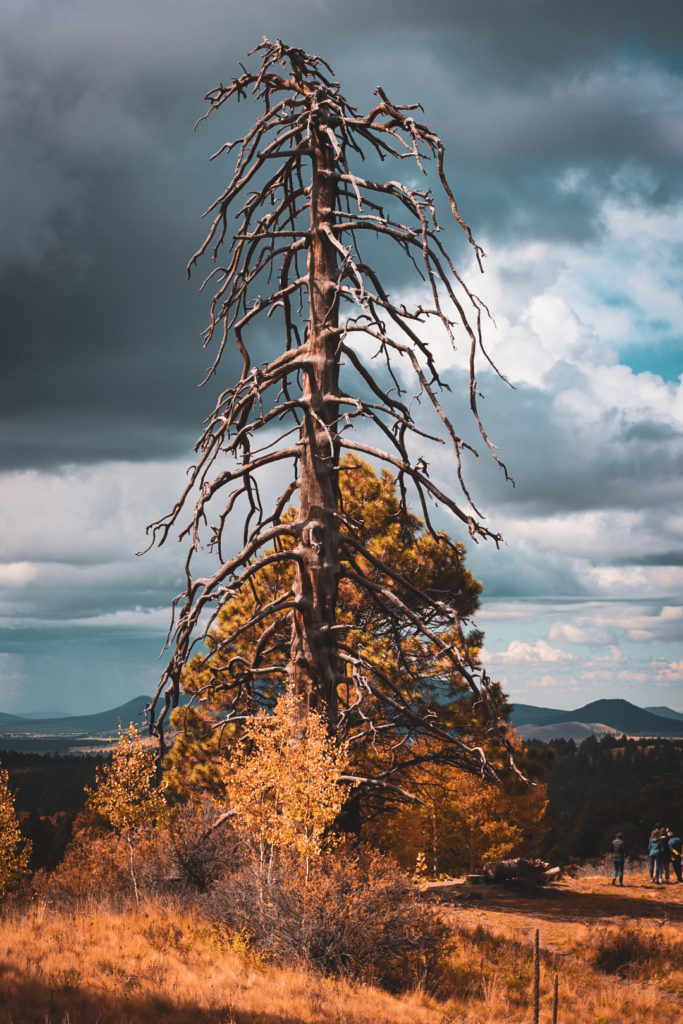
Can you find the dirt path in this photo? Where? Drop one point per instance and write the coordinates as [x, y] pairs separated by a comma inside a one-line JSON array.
[[570, 914], [574, 899]]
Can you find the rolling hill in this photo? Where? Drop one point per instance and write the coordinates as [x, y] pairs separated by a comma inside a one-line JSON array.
[[618, 715], [577, 731], [105, 722], [666, 713]]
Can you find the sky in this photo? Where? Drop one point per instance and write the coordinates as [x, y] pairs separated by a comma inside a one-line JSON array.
[[563, 126]]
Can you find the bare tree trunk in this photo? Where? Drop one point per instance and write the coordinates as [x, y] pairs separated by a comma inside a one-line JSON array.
[[537, 978], [284, 207], [132, 868], [313, 656], [435, 840]]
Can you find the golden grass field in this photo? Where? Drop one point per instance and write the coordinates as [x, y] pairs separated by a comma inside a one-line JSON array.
[[618, 954]]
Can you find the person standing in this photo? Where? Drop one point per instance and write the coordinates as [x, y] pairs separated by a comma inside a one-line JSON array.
[[674, 843], [618, 858], [661, 851], [653, 849], [666, 855]]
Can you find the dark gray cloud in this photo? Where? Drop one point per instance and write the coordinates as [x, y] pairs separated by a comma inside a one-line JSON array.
[[114, 665], [105, 180]]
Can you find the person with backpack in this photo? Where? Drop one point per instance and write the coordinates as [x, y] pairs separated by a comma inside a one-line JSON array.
[[618, 858], [674, 843]]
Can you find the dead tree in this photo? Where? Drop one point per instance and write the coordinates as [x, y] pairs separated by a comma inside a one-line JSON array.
[[292, 223]]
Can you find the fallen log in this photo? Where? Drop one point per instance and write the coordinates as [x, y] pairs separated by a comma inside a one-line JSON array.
[[521, 870]]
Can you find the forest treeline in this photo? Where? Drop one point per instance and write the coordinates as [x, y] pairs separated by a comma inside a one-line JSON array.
[[593, 790], [610, 785], [49, 793]]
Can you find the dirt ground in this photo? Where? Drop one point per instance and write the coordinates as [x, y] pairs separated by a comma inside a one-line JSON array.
[[585, 899], [573, 917]]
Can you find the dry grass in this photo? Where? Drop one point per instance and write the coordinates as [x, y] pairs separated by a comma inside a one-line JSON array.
[[618, 952], [164, 963]]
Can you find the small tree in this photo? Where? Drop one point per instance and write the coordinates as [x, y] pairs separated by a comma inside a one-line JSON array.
[[462, 821], [284, 783], [126, 794], [15, 850]]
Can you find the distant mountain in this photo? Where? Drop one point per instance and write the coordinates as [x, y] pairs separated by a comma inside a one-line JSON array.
[[105, 722], [33, 715], [666, 713], [620, 715], [530, 714], [576, 731], [9, 718]]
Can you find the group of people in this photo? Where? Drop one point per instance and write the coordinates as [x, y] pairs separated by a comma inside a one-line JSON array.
[[664, 850]]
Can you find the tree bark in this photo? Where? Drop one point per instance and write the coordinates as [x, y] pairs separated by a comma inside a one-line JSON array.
[[313, 657]]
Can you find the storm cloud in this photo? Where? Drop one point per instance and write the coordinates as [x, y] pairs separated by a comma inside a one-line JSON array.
[[563, 126]]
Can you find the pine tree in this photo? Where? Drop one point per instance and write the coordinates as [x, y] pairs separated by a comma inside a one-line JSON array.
[[423, 694]]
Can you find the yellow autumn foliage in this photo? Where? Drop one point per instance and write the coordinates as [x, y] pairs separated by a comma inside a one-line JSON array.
[[283, 782], [125, 792], [15, 851], [462, 821]]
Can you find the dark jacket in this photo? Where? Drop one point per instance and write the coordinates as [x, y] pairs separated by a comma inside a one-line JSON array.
[[618, 849]]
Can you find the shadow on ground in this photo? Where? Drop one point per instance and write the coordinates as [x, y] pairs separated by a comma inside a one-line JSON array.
[[26, 998], [560, 903]]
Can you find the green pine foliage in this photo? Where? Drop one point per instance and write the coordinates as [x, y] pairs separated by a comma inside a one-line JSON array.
[[609, 785]]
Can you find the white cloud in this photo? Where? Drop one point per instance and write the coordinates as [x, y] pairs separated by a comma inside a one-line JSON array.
[[521, 653], [637, 581], [14, 574], [671, 672], [570, 633], [604, 533], [155, 619], [83, 514]]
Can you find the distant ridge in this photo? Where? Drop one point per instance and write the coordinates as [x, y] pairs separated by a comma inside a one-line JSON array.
[[77, 725], [667, 713], [619, 715], [4, 717], [577, 731]]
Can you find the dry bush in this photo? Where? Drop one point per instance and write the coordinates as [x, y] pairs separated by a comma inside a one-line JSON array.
[[183, 857], [633, 951], [94, 864], [190, 853], [357, 914]]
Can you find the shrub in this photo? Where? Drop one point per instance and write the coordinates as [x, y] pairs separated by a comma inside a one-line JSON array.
[[93, 865], [356, 914], [632, 951], [190, 852], [283, 782]]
